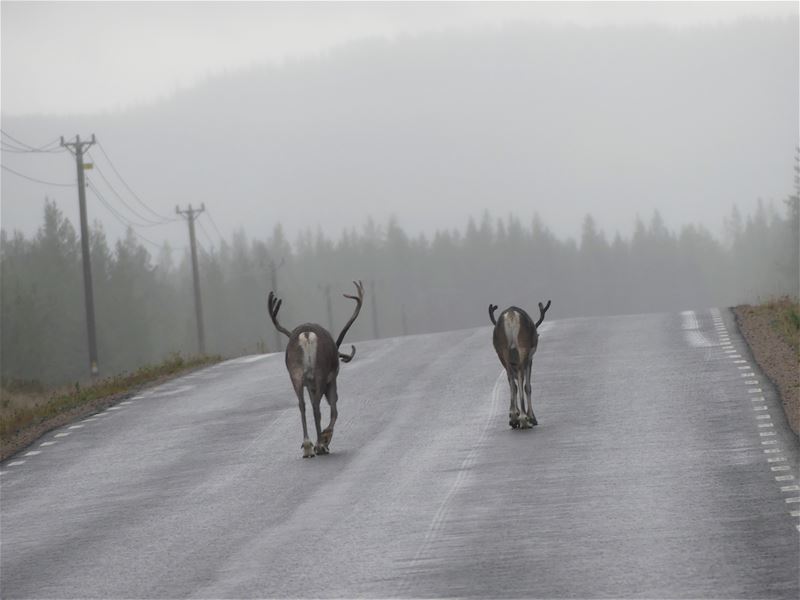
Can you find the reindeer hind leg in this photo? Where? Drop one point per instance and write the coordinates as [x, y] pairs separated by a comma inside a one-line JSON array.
[[308, 446], [332, 395], [513, 411]]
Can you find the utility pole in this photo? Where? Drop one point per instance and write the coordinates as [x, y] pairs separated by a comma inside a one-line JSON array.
[[77, 148], [273, 277], [327, 289], [191, 215], [375, 333]]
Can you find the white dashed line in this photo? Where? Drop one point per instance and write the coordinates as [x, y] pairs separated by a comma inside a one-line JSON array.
[[125, 403], [759, 399], [769, 442], [114, 408], [759, 408], [795, 513], [766, 433], [763, 417], [784, 478], [742, 368], [766, 425], [792, 500], [16, 463], [45, 444], [790, 488], [772, 451], [76, 426], [754, 391], [740, 361], [33, 453], [781, 468], [65, 434], [776, 459]]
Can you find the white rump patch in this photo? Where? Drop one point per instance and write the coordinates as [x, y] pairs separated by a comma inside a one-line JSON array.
[[308, 345], [511, 327]]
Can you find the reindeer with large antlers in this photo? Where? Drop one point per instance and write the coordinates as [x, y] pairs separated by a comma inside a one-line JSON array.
[[515, 340], [312, 358]]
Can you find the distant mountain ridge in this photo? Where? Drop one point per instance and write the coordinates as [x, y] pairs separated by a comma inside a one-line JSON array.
[[559, 121]]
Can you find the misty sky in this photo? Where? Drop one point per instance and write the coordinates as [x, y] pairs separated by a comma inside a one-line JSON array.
[[67, 57], [129, 70]]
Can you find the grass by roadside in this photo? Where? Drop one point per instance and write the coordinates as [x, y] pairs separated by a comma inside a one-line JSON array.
[[27, 411], [772, 331]]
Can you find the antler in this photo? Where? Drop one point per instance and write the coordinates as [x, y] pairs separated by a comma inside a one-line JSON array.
[[274, 306], [359, 301], [542, 310], [492, 308]]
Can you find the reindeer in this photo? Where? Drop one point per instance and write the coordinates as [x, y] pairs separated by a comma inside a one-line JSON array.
[[515, 340], [312, 359]]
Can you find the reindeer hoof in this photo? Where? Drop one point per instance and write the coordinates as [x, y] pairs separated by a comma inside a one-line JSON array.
[[320, 449], [308, 449]]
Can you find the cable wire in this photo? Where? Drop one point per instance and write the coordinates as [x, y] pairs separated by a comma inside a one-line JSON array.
[[148, 222], [120, 217], [125, 183], [10, 170], [23, 147]]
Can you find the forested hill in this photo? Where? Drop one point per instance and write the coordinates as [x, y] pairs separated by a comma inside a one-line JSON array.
[[421, 284], [562, 121]]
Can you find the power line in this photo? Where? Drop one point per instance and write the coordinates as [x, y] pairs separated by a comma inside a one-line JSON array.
[[23, 147], [125, 222], [10, 170], [148, 222], [221, 237], [208, 237], [125, 183]]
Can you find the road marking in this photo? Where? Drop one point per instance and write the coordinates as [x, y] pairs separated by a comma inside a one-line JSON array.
[[792, 500], [76, 426], [751, 382], [763, 417], [65, 434], [114, 408], [759, 408], [742, 368], [766, 425], [754, 391], [790, 488], [772, 451], [795, 513], [441, 513], [776, 459], [740, 361], [33, 453], [781, 468], [180, 390], [3, 472], [759, 399], [89, 420], [766, 433], [769, 442], [125, 403], [47, 443], [784, 478], [15, 463]]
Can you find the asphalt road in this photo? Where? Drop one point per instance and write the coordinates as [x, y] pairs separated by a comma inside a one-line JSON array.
[[662, 468]]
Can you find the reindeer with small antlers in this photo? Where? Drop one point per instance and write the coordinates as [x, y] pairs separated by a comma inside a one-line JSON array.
[[312, 359], [515, 340]]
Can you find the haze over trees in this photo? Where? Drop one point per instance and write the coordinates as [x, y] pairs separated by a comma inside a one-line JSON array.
[[144, 304]]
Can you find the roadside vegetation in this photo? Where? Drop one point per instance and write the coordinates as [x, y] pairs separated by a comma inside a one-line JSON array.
[[28, 409], [772, 330]]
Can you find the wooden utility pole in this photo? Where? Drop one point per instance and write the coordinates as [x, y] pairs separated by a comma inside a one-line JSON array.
[[327, 289], [77, 148], [375, 333], [191, 215]]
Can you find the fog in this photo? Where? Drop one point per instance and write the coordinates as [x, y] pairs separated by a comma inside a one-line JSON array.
[[614, 168]]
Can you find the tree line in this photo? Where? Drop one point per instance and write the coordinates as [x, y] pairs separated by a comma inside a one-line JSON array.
[[144, 301]]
